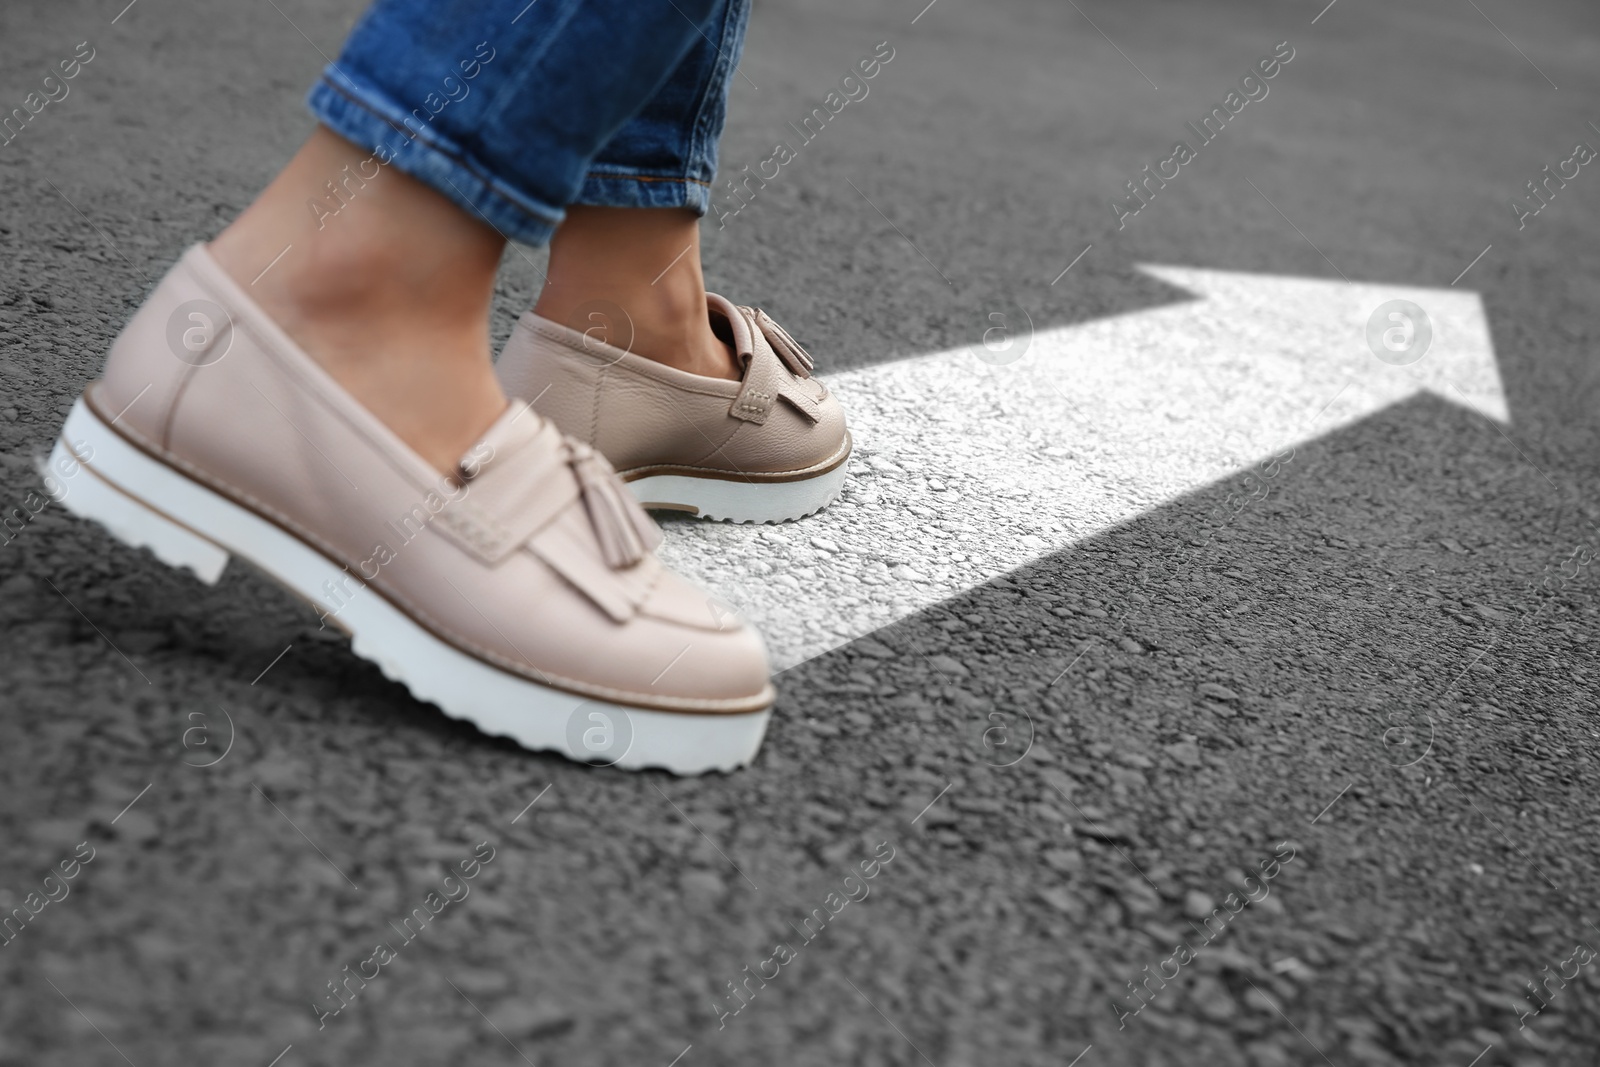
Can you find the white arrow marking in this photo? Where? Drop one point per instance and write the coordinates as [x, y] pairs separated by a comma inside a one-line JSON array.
[[965, 471]]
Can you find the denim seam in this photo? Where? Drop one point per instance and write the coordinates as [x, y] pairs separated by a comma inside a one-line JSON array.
[[719, 76], [601, 175], [489, 183]]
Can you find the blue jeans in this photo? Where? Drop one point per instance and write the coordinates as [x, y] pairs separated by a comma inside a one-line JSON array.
[[514, 109]]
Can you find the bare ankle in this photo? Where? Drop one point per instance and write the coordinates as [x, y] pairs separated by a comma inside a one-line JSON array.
[[643, 267], [391, 298], [667, 326]]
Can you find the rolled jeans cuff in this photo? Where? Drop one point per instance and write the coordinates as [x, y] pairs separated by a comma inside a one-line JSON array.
[[620, 187], [368, 118]]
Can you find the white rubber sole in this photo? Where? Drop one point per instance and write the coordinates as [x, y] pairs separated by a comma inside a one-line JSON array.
[[737, 500], [146, 503]]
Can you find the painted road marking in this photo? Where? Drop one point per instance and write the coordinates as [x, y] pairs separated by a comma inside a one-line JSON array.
[[966, 470]]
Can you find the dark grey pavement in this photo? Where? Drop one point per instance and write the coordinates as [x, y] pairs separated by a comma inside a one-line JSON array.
[[1379, 679]]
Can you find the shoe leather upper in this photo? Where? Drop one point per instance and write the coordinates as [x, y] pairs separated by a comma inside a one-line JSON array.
[[642, 414], [533, 556]]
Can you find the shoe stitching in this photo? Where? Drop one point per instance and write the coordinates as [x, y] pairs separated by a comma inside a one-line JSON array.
[[758, 403], [595, 175]]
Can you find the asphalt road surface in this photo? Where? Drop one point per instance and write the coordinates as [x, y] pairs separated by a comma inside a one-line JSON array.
[[1280, 754]]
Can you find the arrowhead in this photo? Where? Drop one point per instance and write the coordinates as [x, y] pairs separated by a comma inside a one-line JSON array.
[[1325, 323], [975, 461]]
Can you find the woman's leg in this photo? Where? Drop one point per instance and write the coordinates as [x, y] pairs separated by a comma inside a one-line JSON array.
[[391, 297], [747, 434], [647, 262], [313, 393], [632, 237], [482, 122]]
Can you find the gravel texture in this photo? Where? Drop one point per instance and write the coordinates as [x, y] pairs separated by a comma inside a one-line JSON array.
[[1382, 667]]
